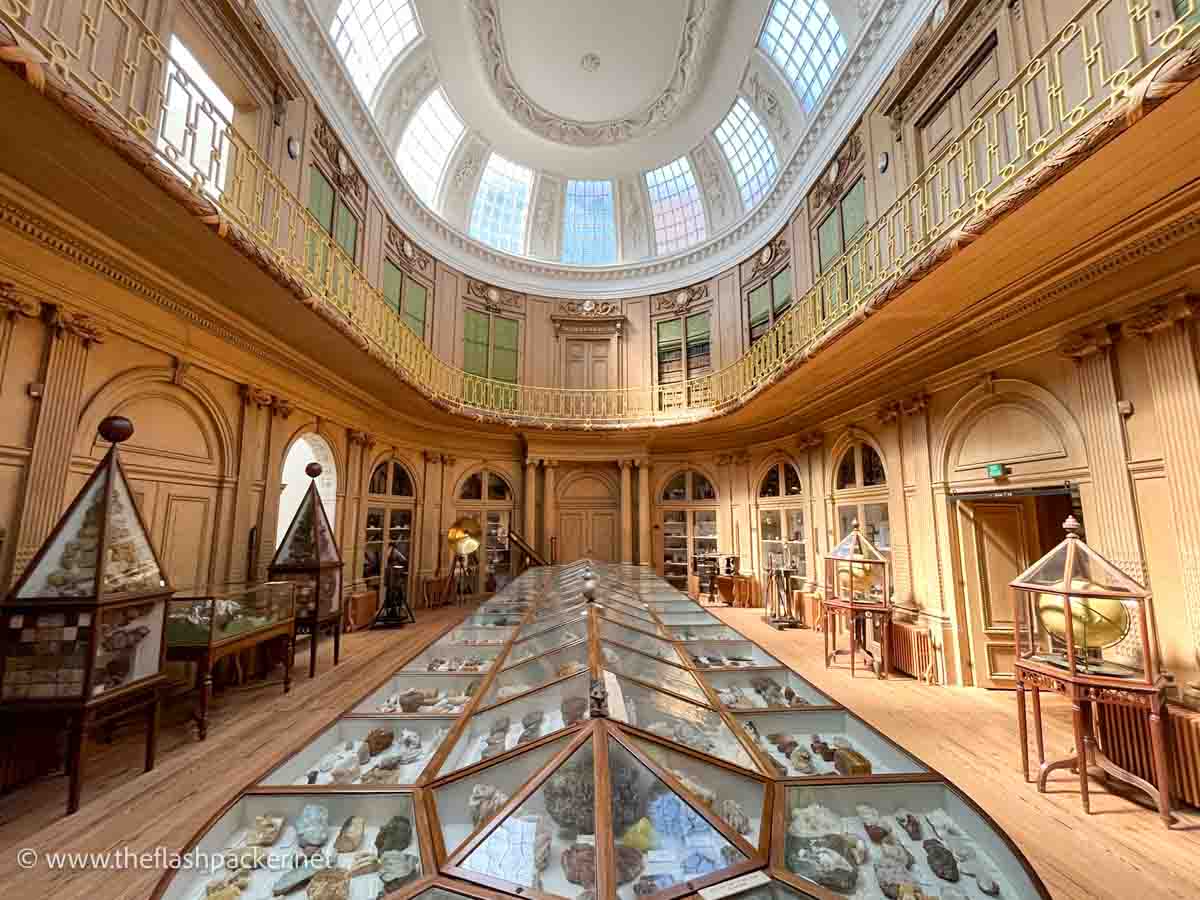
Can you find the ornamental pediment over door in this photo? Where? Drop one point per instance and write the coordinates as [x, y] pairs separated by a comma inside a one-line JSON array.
[[588, 318]]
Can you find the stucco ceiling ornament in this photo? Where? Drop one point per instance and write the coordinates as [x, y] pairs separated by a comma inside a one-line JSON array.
[[679, 301], [769, 107], [710, 179], [493, 297], [659, 113]]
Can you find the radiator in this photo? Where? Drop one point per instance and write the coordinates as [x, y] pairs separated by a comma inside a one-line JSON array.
[[1124, 735], [912, 651]]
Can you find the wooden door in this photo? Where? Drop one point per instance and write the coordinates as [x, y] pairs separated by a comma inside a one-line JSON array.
[[572, 532], [603, 527], [585, 364], [181, 519], [996, 543]]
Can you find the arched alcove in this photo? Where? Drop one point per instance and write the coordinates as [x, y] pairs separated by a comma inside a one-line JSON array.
[[308, 447]]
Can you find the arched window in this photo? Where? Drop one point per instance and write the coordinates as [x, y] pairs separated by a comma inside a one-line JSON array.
[[487, 497], [369, 35], [804, 40], [387, 530], [781, 528], [307, 448], [860, 494], [689, 525]]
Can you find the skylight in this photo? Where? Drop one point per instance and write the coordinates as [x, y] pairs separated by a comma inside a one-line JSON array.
[[589, 229], [675, 203], [501, 203], [804, 40], [427, 143], [749, 150], [369, 34]]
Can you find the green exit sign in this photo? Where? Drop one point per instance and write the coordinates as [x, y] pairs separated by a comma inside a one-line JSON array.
[[997, 470]]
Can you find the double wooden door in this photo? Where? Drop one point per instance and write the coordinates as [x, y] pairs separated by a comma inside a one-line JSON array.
[[587, 364], [590, 533]]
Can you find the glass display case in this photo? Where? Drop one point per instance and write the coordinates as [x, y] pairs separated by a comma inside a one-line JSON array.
[[694, 618], [1080, 615], [742, 654], [448, 657], [824, 743], [614, 613], [361, 750], [499, 551], [537, 672], [675, 547], [553, 639], [856, 572], [629, 786], [887, 840], [766, 689], [574, 614], [356, 844], [704, 633], [704, 533], [474, 635], [514, 723], [411, 694]]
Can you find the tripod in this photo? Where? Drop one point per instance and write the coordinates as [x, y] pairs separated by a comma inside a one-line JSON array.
[[777, 600], [395, 611], [455, 582]]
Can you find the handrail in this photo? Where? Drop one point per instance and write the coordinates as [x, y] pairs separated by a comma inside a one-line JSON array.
[[1110, 44]]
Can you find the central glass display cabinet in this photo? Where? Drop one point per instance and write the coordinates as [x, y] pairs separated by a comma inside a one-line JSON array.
[[858, 591], [597, 760]]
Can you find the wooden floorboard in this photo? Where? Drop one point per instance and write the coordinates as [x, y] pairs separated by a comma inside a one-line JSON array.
[[1121, 851]]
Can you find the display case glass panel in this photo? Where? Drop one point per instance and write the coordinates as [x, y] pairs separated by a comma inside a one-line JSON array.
[[475, 634], [668, 607], [496, 617], [530, 848], [364, 751], [825, 743], [856, 572], [614, 614], [675, 547], [573, 615], [704, 633], [468, 803], [769, 689], [729, 655], [447, 657], [669, 717], [413, 694], [639, 640], [227, 614], [651, 670], [629, 608], [45, 654], [498, 729], [283, 832], [1079, 615], [129, 648], [832, 833], [537, 672], [662, 838], [704, 532], [694, 617], [737, 799], [558, 637]]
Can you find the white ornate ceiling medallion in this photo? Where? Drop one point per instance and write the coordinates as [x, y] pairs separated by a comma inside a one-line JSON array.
[[660, 112]]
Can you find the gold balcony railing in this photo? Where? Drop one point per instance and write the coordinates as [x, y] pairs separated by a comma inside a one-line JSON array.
[[105, 50]]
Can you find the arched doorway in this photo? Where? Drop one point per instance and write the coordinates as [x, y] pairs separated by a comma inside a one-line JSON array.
[[781, 520], [688, 510], [487, 496], [308, 447], [587, 502], [387, 529]]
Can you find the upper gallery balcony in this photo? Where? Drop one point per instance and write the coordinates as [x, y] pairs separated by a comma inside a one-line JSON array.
[[964, 212]]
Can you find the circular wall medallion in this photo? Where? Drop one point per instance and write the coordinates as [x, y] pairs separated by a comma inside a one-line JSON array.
[[589, 305], [493, 294], [884, 159], [293, 148], [590, 62], [408, 249], [765, 254]]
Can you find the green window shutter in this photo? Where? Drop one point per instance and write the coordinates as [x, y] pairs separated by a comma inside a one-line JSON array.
[[345, 230], [829, 239], [781, 289], [505, 349], [393, 280], [699, 344], [320, 199], [475, 343], [414, 306], [760, 311], [854, 210]]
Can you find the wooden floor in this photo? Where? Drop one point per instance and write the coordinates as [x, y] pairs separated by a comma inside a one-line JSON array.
[[1121, 851]]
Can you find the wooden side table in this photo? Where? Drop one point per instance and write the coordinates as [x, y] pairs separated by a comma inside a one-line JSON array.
[[880, 614], [1087, 759], [314, 625]]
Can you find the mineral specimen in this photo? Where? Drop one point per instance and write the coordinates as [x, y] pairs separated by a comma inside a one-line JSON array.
[[224, 892], [641, 836], [876, 826], [573, 710], [824, 866], [697, 863], [822, 749], [410, 700], [731, 811], [652, 884], [987, 883], [295, 878], [701, 793], [579, 864], [397, 869], [410, 739], [395, 835], [266, 830], [364, 863], [801, 761], [378, 740], [941, 860], [381, 776], [813, 820], [350, 838], [891, 870], [910, 823], [851, 762], [485, 802], [673, 818], [346, 772], [236, 881], [312, 828], [329, 884]]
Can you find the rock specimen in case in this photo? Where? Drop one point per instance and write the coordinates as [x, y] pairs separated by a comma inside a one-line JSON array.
[[824, 866], [851, 762], [329, 884], [295, 878], [801, 760], [641, 836], [652, 884], [876, 826], [941, 860], [822, 749], [673, 818], [699, 791], [228, 886], [346, 772], [350, 838], [731, 811], [266, 831], [395, 835], [397, 869], [579, 864], [486, 800], [892, 870], [364, 863], [378, 740], [910, 823], [312, 828]]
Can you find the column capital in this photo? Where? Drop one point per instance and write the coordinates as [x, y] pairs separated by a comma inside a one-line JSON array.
[[1087, 343], [888, 413], [447, 459], [84, 327], [282, 407], [254, 395], [642, 462], [531, 462], [550, 463], [811, 440], [625, 463], [15, 301], [361, 438], [1162, 315]]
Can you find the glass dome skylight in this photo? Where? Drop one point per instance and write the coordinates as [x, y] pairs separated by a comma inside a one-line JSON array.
[[589, 228], [804, 40], [749, 151], [369, 35], [427, 143], [501, 203], [676, 206]]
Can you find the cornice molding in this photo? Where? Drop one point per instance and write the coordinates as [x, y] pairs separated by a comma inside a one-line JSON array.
[[880, 42], [659, 113]]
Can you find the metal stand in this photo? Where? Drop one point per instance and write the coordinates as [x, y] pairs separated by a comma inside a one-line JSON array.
[[395, 611], [778, 602]]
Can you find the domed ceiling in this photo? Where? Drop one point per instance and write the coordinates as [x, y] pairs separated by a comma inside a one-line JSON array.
[[642, 145]]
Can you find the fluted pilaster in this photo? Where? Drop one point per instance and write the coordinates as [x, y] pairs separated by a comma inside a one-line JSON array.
[[644, 551], [626, 510]]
